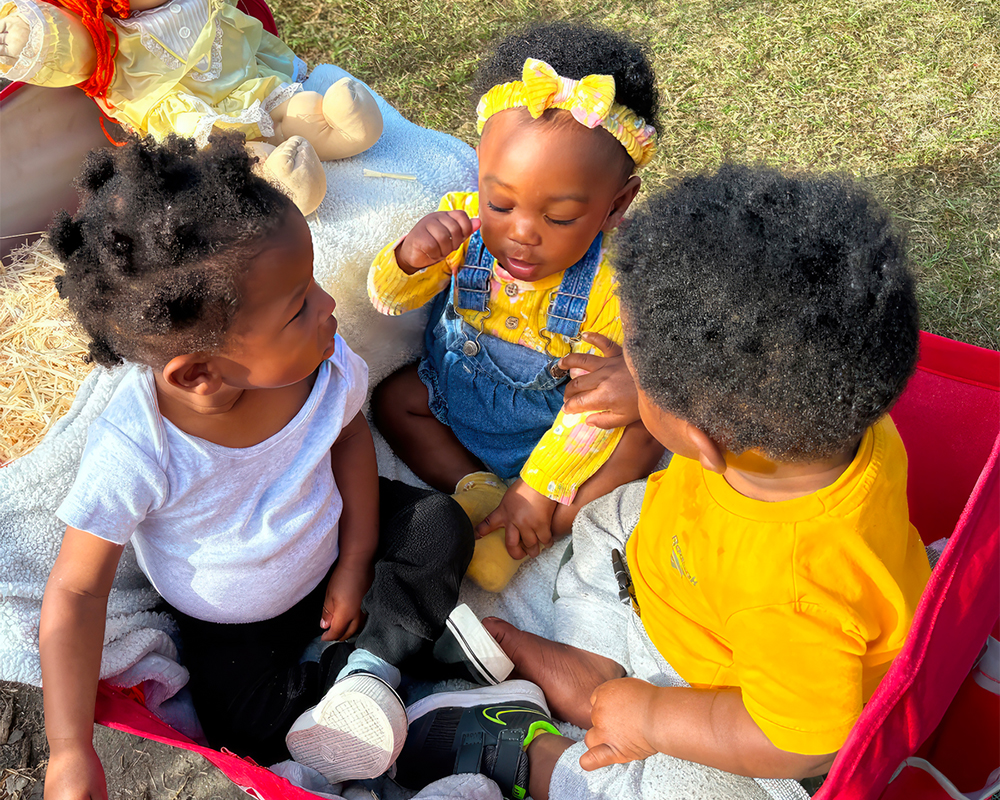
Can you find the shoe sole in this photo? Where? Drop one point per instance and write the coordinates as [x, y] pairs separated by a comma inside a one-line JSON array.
[[482, 652], [353, 734], [506, 692]]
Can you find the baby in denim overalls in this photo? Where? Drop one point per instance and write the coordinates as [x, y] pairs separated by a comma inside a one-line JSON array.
[[515, 274]]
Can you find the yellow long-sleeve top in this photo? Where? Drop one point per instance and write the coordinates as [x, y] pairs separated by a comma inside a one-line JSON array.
[[570, 451]]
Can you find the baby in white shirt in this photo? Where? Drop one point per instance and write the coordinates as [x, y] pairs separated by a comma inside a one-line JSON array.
[[214, 458]]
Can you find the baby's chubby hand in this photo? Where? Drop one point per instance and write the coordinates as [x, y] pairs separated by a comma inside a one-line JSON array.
[[620, 723], [527, 517], [342, 615], [433, 238], [601, 386]]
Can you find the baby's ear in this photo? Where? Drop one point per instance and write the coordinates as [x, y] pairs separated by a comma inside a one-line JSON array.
[[193, 372], [621, 203], [711, 454]]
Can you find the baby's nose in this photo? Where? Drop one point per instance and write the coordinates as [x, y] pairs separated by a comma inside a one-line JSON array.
[[524, 232]]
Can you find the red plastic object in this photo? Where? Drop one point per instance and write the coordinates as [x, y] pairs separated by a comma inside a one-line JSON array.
[[914, 784], [966, 745], [116, 710], [949, 418]]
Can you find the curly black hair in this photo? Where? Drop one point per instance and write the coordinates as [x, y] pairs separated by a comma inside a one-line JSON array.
[[575, 49], [155, 254], [774, 312]]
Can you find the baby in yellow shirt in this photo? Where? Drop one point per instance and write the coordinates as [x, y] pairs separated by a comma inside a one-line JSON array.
[[739, 608], [516, 274]]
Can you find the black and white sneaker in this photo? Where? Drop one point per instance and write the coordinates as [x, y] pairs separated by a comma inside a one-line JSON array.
[[466, 644], [355, 732], [483, 730]]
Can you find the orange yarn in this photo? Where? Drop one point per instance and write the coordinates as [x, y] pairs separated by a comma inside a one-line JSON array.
[[105, 39]]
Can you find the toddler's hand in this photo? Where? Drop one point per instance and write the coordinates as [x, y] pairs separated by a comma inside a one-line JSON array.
[[433, 238], [601, 385], [74, 773], [342, 614], [619, 723], [527, 517]]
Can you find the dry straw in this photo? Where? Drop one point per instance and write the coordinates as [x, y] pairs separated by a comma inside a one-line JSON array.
[[41, 352]]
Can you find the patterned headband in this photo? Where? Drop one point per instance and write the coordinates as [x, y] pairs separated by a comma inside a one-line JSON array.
[[591, 101]]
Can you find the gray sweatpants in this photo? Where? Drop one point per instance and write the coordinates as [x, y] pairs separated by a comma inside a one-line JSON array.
[[570, 594]]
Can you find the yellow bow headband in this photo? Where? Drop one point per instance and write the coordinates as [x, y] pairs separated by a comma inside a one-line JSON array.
[[591, 101]]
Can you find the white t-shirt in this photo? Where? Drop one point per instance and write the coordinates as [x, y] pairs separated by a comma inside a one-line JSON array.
[[224, 534]]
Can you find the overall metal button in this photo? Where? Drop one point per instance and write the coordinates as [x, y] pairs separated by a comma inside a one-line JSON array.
[[556, 371], [512, 323], [470, 348]]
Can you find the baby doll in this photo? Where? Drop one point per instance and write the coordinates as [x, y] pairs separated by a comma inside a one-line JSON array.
[[188, 67]]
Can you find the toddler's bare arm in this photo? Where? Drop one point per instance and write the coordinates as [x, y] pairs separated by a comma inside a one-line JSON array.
[[353, 460], [708, 726], [71, 640]]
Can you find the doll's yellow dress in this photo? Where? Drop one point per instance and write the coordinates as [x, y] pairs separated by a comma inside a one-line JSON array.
[[184, 67]]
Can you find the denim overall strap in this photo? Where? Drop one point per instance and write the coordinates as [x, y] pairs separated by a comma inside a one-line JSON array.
[[473, 279], [569, 305]]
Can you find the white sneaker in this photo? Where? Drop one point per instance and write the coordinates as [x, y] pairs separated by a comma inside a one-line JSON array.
[[467, 644], [355, 732]]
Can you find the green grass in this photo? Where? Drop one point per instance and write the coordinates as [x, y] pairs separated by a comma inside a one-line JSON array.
[[903, 93]]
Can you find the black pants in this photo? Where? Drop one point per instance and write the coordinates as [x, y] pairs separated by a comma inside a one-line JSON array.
[[247, 685]]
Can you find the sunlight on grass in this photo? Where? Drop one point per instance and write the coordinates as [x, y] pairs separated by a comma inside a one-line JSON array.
[[905, 93]]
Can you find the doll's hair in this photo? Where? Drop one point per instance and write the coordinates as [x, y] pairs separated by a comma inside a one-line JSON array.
[[774, 312], [575, 49], [156, 255], [91, 14]]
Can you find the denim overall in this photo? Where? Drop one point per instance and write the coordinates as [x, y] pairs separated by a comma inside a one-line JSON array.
[[498, 397]]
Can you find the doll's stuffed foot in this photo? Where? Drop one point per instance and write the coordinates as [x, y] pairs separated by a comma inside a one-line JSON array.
[[341, 123], [479, 493], [295, 169], [492, 566]]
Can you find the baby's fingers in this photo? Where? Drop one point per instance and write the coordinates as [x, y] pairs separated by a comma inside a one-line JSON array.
[[524, 541], [602, 343], [607, 420], [513, 541], [584, 362], [446, 234], [495, 519], [450, 229], [601, 755]]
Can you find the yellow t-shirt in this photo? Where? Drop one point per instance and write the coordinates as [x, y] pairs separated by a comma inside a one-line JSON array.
[[802, 604], [570, 451]]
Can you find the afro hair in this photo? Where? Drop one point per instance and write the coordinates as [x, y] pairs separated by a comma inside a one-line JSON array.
[[155, 253], [774, 312]]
